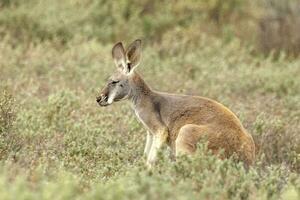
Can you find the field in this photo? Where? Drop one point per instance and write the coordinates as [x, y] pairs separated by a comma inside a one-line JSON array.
[[57, 143]]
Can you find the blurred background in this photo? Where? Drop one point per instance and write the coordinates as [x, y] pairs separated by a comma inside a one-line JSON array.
[[55, 56], [270, 26]]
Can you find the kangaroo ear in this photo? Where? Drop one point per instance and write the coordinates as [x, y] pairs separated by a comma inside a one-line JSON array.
[[118, 54], [133, 55]]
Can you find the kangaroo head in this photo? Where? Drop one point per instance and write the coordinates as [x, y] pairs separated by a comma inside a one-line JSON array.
[[119, 85]]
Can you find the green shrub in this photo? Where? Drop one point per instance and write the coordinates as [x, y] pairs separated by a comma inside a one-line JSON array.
[[59, 109], [7, 112], [203, 176], [9, 141]]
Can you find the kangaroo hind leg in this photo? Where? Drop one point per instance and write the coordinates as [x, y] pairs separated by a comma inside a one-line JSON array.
[[188, 137]]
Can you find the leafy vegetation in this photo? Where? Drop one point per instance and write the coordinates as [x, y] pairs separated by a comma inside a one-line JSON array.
[[57, 143]]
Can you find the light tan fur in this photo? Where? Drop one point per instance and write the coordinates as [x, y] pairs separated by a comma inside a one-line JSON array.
[[181, 121]]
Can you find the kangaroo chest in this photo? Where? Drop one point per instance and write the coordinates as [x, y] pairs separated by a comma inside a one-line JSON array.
[[150, 120], [142, 119]]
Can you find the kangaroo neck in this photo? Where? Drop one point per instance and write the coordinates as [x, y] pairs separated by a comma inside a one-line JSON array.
[[140, 91]]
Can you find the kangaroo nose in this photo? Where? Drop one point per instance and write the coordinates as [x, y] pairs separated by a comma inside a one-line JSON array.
[[98, 99]]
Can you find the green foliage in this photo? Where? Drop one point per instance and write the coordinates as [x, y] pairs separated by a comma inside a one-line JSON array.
[[59, 108], [8, 139], [203, 176], [7, 112]]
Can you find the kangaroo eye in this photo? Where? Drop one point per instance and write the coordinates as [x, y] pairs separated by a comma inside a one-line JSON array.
[[115, 82]]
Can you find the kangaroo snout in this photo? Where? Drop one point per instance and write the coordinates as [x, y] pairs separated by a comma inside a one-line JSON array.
[[98, 99]]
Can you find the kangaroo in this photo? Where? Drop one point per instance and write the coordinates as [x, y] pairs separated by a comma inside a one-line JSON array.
[[179, 121]]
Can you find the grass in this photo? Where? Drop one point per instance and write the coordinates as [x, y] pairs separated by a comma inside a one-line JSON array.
[[56, 142]]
